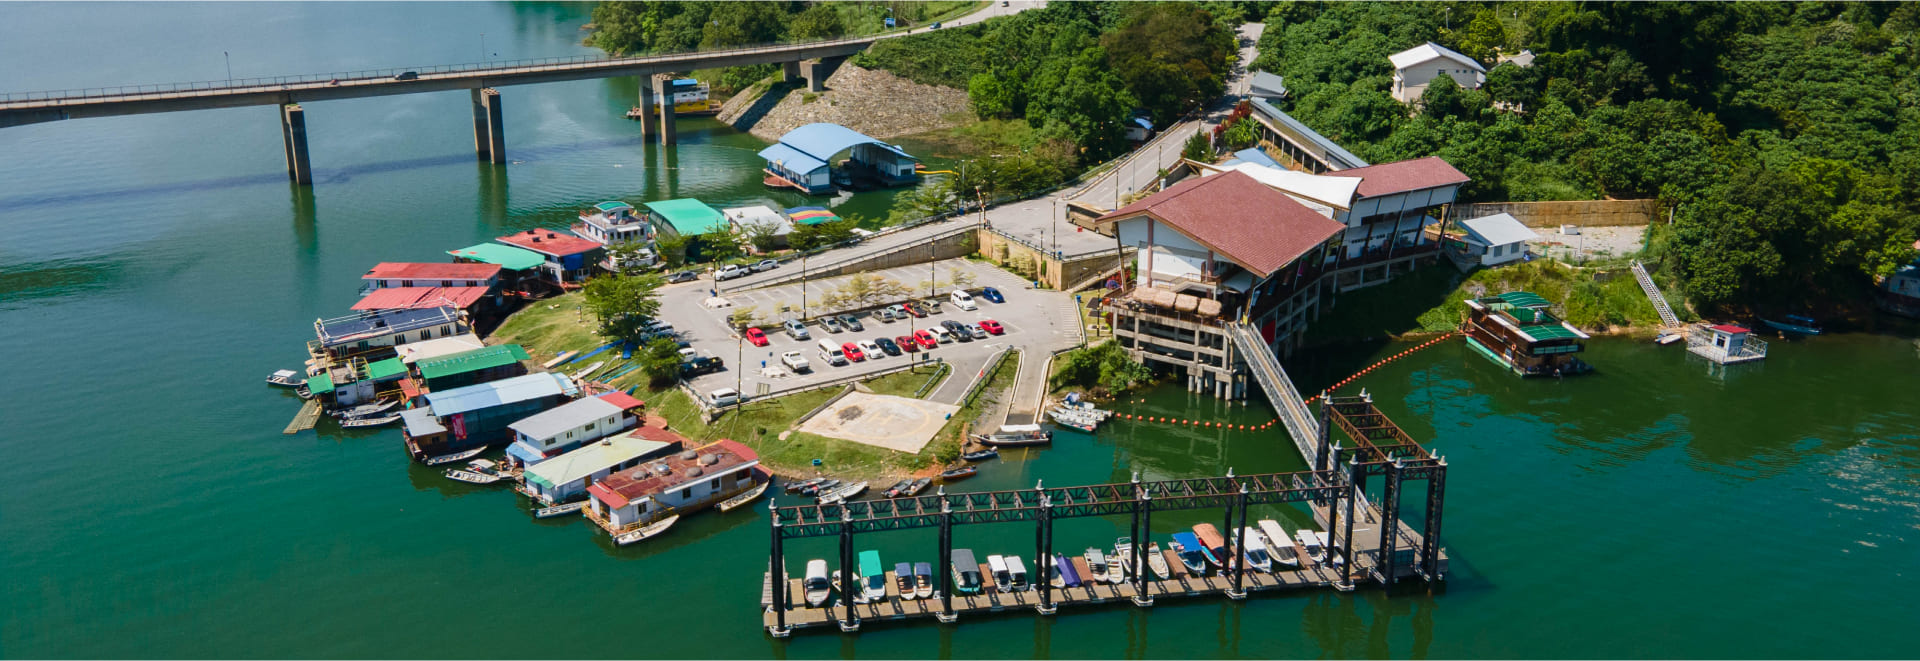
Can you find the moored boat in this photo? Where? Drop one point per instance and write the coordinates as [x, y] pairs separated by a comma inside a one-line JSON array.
[[1072, 419], [559, 510], [957, 474], [749, 496], [1096, 564], [903, 580], [918, 486], [1311, 543], [844, 494], [457, 456], [1212, 544], [816, 584], [1253, 551], [1793, 323], [366, 410], [352, 423], [1123, 557], [1279, 546], [1157, 561], [286, 379], [795, 487], [873, 580], [1015, 436], [478, 471], [923, 580], [1192, 555], [1017, 572], [966, 572], [820, 488], [1002, 577], [1065, 576], [899, 488], [646, 532], [980, 455]]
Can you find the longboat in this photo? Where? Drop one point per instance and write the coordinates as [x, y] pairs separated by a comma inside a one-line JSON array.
[[646, 532]]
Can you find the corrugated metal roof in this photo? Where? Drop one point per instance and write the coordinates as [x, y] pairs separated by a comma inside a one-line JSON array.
[[411, 298], [1552, 331], [792, 159], [551, 422], [431, 271], [1404, 176], [1255, 226], [1267, 85], [593, 458], [688, 216], [1498, 229], [1342, 159], [320, 385], [386, 369], [420, 422], [1524, 299], [471, 360], [1255, 156], [508, 257], [412, 352], [504, 391], [614, 205], [627, 485], [1430, 51], [822, 140], [549, 242]]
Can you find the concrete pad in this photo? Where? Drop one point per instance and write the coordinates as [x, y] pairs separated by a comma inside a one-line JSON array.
[[884, 421]]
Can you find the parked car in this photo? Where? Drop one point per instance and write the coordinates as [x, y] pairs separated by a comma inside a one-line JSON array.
[[796, 330], [764, 265], [851, 322], [852, 352], [959, 330], [695, 364], [729, 272], [931, 305], [914, 308], [993, 327], [963, 300], [906, 343], [756, 337], [682, 276], [871, 350], [942, 334], [975, 331], [925, 339], [724, 397], [831, 325], [796, 362], [992, 294], [887, 345], [892, 312]]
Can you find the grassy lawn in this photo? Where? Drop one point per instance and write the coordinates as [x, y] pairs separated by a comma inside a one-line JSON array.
[[907, 383], [546, 328]]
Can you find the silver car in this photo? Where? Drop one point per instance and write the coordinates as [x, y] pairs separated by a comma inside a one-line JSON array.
[[797, 330]]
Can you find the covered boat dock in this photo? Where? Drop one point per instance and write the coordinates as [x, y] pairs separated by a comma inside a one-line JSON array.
[[804, 157]]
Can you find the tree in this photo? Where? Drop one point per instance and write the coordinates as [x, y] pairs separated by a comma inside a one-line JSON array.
[[672, 248], [1170, 57], [961, 278], [993, 97], [929, 199], [743, 316], [743, 24], [819, 21], [623, 303], [1484, 34], [1198, 148], [717, 245], [1240, 135], [762, 236], [625, 256], [660, 361]]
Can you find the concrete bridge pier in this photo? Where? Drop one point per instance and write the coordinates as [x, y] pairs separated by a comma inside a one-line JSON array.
[[663, 90], [293, 130], [647, 128], [817, 72], [790, 72], [489, 136]]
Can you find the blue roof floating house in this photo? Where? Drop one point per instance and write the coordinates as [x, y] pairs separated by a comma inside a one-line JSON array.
[[804, 157]]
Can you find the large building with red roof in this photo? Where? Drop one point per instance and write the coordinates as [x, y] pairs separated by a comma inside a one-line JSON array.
[[568, 258], [689, 481]]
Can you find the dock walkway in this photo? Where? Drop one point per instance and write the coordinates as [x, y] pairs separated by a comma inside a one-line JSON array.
[[308, 416]]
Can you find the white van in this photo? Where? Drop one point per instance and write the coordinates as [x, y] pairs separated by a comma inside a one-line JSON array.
[[963, 300], [724, 397], [831, 353], [940, 334]]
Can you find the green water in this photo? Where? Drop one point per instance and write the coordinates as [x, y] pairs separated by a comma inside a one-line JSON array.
[[157, 267]]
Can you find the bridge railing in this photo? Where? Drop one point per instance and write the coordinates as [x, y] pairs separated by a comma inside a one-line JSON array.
[[364, 75]]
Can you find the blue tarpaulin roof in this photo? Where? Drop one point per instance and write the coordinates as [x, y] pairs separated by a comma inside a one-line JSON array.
[[1255, 156]]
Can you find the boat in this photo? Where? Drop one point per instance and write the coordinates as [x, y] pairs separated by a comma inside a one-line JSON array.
[[1074, 421], [980, 455], [1667, 337], [1123, 557], [844, 494], [1191, 555], [1096, 565], [815, 489], [478, 471], [590, 368], [1311, 543], [286, 379], [966, 572], [558, 510], [957, 474], [563, 357], [1015, 436], [903, 580], [365, 410], [370, 422], [1157, 561], [457, 456], [918, 486], [1017, 571], [816, 584], [1333, 551], [923, 580], [1516, 331], [1212, 544], [1065, 576], [1793, 323], [795, 487], [1278, 544], [646, 532], [748, 496], [873, 579], [1002, 577], [899, 488], [1253, 550]]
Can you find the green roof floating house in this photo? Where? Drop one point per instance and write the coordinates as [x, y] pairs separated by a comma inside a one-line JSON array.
[[684, 217], [1517, 331]]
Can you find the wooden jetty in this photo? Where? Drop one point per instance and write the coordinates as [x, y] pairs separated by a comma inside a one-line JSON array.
[[308, 416]]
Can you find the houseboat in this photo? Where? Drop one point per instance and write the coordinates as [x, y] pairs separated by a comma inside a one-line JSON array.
[[566, 476], [478, 415], [616, 222], [558, 430], [565, 259], [686, 482], [1726, 344], [353, 359], [1516, 331]]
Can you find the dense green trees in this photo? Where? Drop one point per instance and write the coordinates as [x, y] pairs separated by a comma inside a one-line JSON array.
[[627, 28], [623, 303]]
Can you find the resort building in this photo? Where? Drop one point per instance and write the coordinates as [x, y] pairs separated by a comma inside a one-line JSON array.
[[685, 217], [568, 426], [1416, 68], [749, 221], [1515, 330], [466, 299], [458, 370], [378, 331], [414, 352], [1900, 293], [803, 160], [1298, 146], [615, 222], [478, 415], [516, 264], [1489, 241], [565, 258], [684, 482], [566, 477]]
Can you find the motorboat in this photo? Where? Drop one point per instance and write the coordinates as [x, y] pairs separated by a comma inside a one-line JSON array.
[[918, 486], [1017, 572], [795, 487], [457, 456], [958, 474], [923, 580], [355, 423], [1793, 323], [1064, 573], [478, 471], [1157, 561], [873, 580], [1253, 550], [286, 379], [559, 510], [1311, 542], [816, 584], [1015, 436], [646, 532], [1071, 419], [819, 488], [1212, 544], [1097, 564], [1123, 557], [1279, 545], [980, 455], [898, 488], [903, 580], [966, 572], [745, 497], [844, 494], [1002, 577], [1333, 550], [1191, 553], [366, 410]]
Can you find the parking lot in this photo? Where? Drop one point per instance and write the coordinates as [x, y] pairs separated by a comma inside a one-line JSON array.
[[1039, 319]]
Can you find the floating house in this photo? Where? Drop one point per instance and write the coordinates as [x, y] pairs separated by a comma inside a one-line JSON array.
[[387, 275], [747, 221], [414, 352], [565, 258], [478, 415], [689, 481], [570, 425], [804, 156], [566, 477], [1726, 344], [1489, 241], [458, 370], [516, 264], [612, 223], [1516, 331], [686, 217], [1900, 293], [379, 331], [466, 299]]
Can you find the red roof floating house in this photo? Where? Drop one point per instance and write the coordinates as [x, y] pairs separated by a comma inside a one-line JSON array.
[[414, 298], [568, 258], [431, 274], [685, 482]]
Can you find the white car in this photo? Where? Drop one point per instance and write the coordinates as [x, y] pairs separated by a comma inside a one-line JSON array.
[[962, 300], [730, 272], [724, 397], [795, 361], [871, 350]]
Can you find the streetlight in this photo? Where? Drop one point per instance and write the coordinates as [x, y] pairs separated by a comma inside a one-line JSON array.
[[229, 59], [483, 47], [1449, 14]]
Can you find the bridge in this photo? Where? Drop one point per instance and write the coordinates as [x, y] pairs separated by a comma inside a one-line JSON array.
[[812, 60]]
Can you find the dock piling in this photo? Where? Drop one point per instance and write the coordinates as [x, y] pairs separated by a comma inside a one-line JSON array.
[[1346, 537], [1045, 561], [777, 579], [1240, 572], [1390, 518], [293, 131], [647, 111], [1142, 533], [851, 622], [1430, 542], [946, 614]]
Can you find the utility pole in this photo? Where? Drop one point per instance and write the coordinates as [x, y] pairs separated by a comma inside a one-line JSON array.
[[229, 59], [483, 47], [803, 286]]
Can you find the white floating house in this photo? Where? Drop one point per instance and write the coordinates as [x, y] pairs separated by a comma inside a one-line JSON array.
[[804, 157]]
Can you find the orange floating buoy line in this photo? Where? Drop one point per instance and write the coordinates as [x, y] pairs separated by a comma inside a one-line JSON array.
[[1343, 382]]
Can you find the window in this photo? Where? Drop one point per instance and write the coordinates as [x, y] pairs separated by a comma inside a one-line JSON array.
[[380, 284], [715, 484], [406, 283], [686, 493]]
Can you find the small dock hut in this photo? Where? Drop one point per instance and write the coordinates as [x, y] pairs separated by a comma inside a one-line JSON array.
[[1726, 344], [803, 159]]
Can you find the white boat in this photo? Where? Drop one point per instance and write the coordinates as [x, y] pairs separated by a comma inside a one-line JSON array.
[[1279, 546], [729, 504], [1002, 575], [1253, 548], [816, 584], [365, 410], [1096, 565], [589, 370], [923, 580], [1157, 561], [1311, 543], [1123, 556], [1018, 571], [286, 379], [564, 355], [1081, 423], [843, 494], [1326, 542], [457, 456], [646, 532], [478, 471], [558, 510], [353, 423]]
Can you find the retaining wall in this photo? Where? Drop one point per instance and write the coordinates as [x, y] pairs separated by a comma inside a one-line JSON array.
[[1585, 213]]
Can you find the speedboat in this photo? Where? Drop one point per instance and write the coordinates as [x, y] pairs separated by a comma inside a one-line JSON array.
[[816, 584], [918, 486], [286, 379], [873, 580], [646, 532], [1017, 572], [795, 487], [923, 580], [957, 474], [903, 580], [820, 488], [1096, 563], [1065, 576], [966, 572], [844, 494], [1191, 554], [1311, 542], [1211, 544], [1157, 561], [980, 455], [1002, 576], [1279, 546], [1123, 557], [899, 488], [1254, 550]]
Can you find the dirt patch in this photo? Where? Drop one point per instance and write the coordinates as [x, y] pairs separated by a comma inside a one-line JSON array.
[[873, 102]]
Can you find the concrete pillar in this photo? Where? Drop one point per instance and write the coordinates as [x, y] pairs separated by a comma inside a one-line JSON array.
[[647, 128], [293, 131], [817, 72], [487, 117], [790, 72], [662, 90]]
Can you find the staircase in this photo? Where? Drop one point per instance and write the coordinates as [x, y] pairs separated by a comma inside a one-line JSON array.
[[1279, 387], [1653, 294]]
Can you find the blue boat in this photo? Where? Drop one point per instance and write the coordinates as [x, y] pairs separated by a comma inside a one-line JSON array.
[[1794, 324], [1191, 553], [590, 354], [1064, 571]]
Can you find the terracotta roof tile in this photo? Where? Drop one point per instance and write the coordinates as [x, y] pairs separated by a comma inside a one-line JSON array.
[[549, 242], [431, 271], [1404, 176], [1257, 227]]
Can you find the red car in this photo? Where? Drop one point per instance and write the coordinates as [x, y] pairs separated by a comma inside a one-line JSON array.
[[926, 339], [906, 343], [853, 352], [992, 327], [756, 336], [914, 309]]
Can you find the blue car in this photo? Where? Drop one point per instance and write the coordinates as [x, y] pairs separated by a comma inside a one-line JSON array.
[[992, 294]]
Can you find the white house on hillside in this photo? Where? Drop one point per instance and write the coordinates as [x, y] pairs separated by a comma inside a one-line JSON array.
[[1415, 68], [1491, 240]]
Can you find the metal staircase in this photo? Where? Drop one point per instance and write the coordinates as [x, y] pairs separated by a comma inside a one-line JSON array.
[[1653, 294], [1279, 387]]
